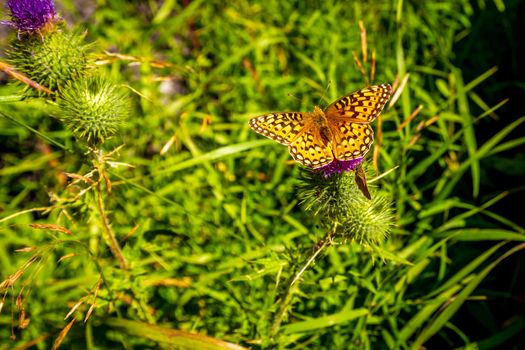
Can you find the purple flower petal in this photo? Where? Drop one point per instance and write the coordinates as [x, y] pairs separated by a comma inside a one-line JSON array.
[[339, 166], [31, 15]]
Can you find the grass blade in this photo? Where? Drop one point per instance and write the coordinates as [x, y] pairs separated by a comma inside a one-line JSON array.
[[324, 321], [458, 301], [171, 337]]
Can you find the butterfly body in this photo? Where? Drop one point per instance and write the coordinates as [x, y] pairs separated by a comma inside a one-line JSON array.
[[340, 132], [321, 123]]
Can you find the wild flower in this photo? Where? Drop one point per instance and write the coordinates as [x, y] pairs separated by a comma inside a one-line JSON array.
[[340, 166], [30, 16]]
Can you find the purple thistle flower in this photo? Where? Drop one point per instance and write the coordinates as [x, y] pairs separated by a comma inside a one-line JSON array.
[[339, 166], [30, 16]]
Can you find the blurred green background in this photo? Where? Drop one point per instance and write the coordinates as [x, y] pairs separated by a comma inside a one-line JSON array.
[[209, 216]]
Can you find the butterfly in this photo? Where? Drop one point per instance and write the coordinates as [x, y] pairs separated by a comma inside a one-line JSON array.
[[341, 132]]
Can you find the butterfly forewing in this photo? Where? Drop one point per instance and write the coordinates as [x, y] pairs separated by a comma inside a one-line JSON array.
[[362, 106], [280, 127]]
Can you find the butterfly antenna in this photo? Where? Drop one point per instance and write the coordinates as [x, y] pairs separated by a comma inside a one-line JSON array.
[[324, 96], [292, 95]]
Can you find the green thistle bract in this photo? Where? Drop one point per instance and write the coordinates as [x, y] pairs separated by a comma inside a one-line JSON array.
[[93, 108], [52, 61]]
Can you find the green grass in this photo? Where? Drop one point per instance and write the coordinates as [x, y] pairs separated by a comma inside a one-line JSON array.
[[212, 227]]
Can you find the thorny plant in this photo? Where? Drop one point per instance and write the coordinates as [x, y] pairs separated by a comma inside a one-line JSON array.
[[55, 62], [336, 195]]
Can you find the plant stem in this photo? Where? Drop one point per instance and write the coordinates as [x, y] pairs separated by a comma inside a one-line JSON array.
[[292, 285], [110, 235], [99, 161]]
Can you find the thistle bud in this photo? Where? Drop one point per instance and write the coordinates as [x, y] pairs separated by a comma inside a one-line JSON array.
[[93, 108], [52, 62], [368, 222]]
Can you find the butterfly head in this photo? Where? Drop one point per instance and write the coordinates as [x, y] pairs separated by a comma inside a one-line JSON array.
[[318, 111]]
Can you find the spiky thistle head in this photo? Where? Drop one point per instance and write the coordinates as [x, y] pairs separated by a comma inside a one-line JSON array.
[[369, 222], [93, 108], [61, 57], [32, 16]]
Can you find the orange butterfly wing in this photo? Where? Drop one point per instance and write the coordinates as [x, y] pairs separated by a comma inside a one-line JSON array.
[[298, 132], [280, 127], [361, 106], [349, 118]]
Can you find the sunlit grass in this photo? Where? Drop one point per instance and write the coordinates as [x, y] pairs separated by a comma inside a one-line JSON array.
[[208, 213]]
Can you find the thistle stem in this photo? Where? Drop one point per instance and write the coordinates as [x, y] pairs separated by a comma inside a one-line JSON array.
[[110, 235], [106, 227], [292, 286], [325, 243]]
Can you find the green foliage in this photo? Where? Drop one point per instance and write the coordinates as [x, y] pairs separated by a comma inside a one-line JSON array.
[[210, 241]]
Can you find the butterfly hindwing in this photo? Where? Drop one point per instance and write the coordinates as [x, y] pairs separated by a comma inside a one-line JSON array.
[[351, 140], [362, 106], [309, 150], [280, 127]]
